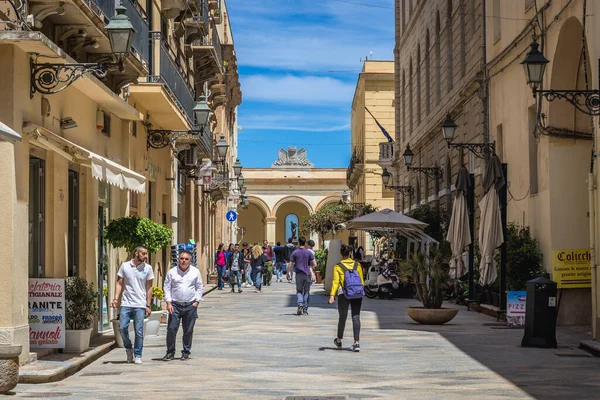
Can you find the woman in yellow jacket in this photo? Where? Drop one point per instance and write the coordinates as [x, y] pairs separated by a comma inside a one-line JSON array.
[[343, 302]]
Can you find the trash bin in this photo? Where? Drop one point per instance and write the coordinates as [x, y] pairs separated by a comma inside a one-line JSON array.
[[540, 314]]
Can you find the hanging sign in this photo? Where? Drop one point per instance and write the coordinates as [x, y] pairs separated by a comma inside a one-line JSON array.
[[571, 268], [46, 313]]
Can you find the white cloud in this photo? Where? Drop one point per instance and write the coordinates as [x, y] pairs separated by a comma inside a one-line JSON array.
[[297, 89]]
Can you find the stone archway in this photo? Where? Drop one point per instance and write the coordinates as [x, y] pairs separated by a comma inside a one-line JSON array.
[[254, 220], [289, 206]]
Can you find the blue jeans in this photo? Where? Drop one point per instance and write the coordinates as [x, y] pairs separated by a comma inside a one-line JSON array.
[[125, 316], [258, 280], [220, 272], [249, 275], [280, 266], [232, 276]]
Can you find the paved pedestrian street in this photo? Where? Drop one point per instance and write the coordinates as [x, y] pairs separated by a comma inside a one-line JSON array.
[[253, 346]]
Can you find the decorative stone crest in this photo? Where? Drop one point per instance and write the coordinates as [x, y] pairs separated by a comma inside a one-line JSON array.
[[291, 158]]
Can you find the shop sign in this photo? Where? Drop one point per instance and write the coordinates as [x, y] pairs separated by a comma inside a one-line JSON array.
[[571, 268], [46, 313], [515, 308]]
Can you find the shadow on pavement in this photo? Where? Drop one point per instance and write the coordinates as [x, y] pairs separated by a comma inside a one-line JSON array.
[[566, 372]]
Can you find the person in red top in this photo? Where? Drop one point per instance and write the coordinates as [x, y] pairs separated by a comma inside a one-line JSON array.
[[220, 265], [269, 254]]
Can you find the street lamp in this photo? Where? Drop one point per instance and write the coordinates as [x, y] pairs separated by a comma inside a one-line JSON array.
[[345, 196], [534, 64], [222, 147], [482, 150], [385, 179], [243, 190], [432, 172], [240, 180], [51, 78], [161, 138], [237, 167]]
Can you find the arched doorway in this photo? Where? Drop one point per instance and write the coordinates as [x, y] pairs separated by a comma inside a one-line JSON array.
[[290, 212], [252, 222]]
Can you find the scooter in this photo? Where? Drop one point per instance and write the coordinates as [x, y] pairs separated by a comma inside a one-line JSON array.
[[382, 281]]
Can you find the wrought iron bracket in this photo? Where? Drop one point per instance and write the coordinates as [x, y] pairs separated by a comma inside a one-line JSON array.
[[481, 150], [406, 190], [586, 101], [51, 78], [432, 172], [161, 138]]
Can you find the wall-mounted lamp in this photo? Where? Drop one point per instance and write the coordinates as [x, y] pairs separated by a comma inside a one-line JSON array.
[[68, 123]]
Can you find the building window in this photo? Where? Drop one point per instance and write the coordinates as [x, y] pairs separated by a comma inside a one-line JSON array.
[[403, 107], [403, 14], [463, 44], [427, 74], [528, 3], [497, 25], [106, 128], [37, 214], [181, 181], [533, 151], [438, 61], [134, 128], [73, 225], [449, 51], [133, 203], [418, 85], [410, 98]]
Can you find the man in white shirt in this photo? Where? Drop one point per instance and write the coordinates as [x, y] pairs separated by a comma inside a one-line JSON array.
[[135, 283], [183, 292]]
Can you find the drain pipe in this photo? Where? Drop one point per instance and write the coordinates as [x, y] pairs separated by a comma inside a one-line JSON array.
[[485, 81], [594, 264]]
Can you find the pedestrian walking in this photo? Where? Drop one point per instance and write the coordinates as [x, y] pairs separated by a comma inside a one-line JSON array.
[[279, 252], [134, 283], [289, 249], [183, 292], [220, 265], [258, 260], [304, 261], [248, 266], [268, 252], [348, 285], [235, 268]]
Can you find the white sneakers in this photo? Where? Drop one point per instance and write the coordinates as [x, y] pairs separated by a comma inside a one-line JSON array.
[[129, 355], [138, 360]]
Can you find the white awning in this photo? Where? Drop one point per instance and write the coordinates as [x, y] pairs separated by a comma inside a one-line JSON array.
[[103, 169], [8, 134]]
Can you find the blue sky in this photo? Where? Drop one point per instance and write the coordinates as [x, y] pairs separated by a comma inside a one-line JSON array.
[[299, 61]]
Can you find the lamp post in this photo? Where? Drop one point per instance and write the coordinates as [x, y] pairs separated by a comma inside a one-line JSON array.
[[432, 172], [240, 180], [534, 64], [481, 150], [51, 78], [385, 179], [237, 168], [161, 138], [222, 148]]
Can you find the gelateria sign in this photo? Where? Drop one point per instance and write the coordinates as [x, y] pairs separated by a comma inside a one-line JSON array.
[[46, 313], [571, 268]]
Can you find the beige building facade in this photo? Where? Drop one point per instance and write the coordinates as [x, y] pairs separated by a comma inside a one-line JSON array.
[[86, 154], [286, 194], [375, 94]]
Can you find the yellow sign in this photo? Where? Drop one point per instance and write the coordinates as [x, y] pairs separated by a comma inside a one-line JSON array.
[[571, 268]]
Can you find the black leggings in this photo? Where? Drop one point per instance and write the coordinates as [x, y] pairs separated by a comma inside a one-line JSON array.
[[343, 305]]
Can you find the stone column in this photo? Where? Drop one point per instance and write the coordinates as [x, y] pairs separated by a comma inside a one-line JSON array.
[[9, 367], [271, 231]]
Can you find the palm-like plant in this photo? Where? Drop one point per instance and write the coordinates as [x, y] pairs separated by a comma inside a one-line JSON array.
[[430, 276]]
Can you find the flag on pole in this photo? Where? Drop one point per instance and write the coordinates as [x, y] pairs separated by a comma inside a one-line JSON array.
[[385, 133]]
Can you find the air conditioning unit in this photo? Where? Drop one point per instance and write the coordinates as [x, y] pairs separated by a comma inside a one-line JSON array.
[[190, 157]]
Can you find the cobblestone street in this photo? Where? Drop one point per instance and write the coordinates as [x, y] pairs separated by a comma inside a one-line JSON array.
[[253, 346]]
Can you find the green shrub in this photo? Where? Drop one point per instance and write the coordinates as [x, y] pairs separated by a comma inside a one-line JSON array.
[[321, 258], [130, 232], [81, 303], [524, 258], [430, 275]]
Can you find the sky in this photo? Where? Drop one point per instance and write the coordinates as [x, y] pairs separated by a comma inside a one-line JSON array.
[[299, 62]]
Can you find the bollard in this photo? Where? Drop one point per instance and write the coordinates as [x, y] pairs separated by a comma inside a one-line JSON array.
[[9, 366]]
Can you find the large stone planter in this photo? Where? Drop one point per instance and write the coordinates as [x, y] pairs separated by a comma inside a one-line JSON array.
[[77, 341], [152, 327], [9, 366], [431, 316]]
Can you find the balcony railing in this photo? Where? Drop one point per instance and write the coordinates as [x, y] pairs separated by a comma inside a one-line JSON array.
[[386, 154], [355, 168], [213, 41], [171, 77], [138, 19]]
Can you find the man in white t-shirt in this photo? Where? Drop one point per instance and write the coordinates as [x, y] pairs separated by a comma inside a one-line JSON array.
[[135, 283]]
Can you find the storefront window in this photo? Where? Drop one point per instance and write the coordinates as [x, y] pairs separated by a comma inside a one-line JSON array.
[[73, 224], [103, 219], [37, 211]]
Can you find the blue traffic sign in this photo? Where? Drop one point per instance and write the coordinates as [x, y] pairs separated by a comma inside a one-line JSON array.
[[231, 216]]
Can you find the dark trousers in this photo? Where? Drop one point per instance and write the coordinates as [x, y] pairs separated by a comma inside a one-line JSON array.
[[187, 314], [303, 289], [343, 305]]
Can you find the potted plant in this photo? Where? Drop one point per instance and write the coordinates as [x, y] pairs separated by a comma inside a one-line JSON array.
[[81, 305], [430, 275], [320, 270], [153, 325]]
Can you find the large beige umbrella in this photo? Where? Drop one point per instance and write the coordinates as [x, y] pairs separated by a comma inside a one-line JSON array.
[[459, 234], [385, 219], [490, 225]]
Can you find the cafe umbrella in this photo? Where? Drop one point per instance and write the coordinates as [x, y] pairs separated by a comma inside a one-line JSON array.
[[490, 225], [459, 235]]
